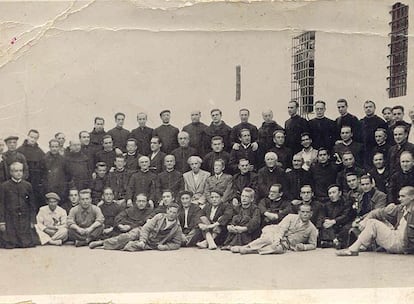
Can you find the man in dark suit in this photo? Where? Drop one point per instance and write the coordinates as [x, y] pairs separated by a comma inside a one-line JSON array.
[[189, 217], [142, 134], [157, 156]]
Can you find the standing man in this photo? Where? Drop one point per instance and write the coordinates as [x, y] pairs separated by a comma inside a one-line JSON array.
[[142, 134], [17, 211], [34, 155], [217, 146], [156, 156], [369, 124], [245, 150], [167, 133], [119, 134], [61, 138], [87, 148], [108, 153], [217, 128], [294, 127], [347, 119], [12, 155], [97, 133], [54, 170], [244, 115], [322, 129], [77, 171], [85, 221], [401, 145], [347, 143], [284, 154], [196, 132], [266, 132]]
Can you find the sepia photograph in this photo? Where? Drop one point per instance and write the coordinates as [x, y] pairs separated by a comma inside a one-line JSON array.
[[206, 151]]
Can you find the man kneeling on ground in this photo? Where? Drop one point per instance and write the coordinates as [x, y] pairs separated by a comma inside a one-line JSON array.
[[377, 227], [295, 232]]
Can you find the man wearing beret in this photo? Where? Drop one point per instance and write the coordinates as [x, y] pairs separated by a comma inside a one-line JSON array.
[[12, 155], [51, 221], [167, 133]]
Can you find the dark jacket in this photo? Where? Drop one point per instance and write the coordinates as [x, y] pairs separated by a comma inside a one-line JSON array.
[[222, 130], [143, 137], [168, 136], [294, 127], [77, 171]]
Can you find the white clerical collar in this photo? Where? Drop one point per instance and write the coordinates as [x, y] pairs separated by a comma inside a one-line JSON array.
[[16, 180]]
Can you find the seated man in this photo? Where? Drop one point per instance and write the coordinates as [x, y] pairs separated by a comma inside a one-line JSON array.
[[51, 222], [333, 232], [110, 209], [195, 180], [167, 198], [189, 217], [371, 199], [274, 207], [85, 221], [219, 181], [214, 219], [245, 178], [129, 222], [376, 227], [162, 232], [73, 199], [295, 232], [245, 224], [170, 178], [99, 178]]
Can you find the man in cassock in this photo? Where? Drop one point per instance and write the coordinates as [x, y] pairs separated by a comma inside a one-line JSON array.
[[348, 144], [245, 178], [245, 224], [12, 155], [167, 133], [34, 155], [77, 171], [108, 153], [110, 209], [266, 131], [284, 154], [128, 224], [347, 119], [17, 211], [269, 175], [132, 155], [118, 179], [183, 152], [217, 146], [54, 170], [85, 221], [169, 178], [119, 134], [87, 148], [97, 133], [274, 207], [246, 150], [143, 181], [51, 221], [322, 129], [294, 127], [196, 131], [295, 232], [142, 134], [400, 137], [244, 124], [401, 178], [217, 128], [296, 178]]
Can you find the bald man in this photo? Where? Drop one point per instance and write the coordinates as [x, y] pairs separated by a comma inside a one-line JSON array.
[[265, 132], [196, 132], [269, 175]]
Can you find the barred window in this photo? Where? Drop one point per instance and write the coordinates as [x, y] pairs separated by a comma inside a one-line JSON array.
[[302, 72], [398, 51]]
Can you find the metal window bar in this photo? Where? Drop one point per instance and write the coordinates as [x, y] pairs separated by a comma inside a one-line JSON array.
[[398, 51], [303, 71]]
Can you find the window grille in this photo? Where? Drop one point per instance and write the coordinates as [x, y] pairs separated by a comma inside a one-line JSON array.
[[398, 51], [238, 82], [303, 71]]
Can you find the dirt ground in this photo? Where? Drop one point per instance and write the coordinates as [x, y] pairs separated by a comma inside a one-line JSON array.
[[69, 270]]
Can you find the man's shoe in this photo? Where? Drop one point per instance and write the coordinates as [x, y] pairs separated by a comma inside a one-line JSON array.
[[202, 244], [80, 243], [347, 252], [95, 244], [326, 244], [235, 249], [55, 242], [225, 248]]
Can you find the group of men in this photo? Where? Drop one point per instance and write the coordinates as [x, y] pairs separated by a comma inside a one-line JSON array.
[[346, 183]]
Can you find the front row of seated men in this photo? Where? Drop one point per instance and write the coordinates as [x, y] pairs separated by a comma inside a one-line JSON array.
[[284, 225]]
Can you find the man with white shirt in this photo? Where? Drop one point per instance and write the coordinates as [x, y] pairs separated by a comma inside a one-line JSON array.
[[51, 222], [376, 227], [308, 153]]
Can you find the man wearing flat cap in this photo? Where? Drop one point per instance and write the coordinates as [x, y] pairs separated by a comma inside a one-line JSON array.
[[167, 133], [12, 155], [51, 221]]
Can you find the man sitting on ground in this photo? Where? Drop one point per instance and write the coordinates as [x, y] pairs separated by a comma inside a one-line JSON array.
[[295, 232]]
